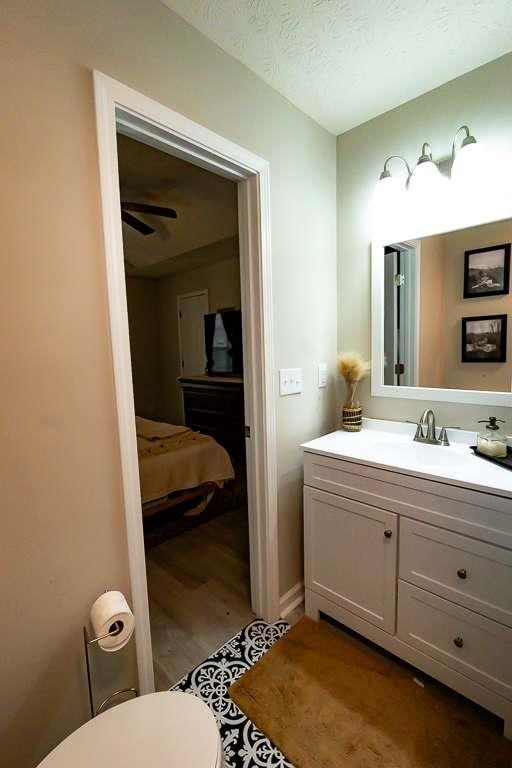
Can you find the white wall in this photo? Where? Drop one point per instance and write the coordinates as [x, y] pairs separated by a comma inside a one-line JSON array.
[[63, 536], [481, 99]]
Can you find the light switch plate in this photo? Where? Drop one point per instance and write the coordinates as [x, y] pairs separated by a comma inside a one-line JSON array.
[[290, 381], [322, 374]]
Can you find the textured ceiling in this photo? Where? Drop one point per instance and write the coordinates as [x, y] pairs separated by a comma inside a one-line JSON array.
[[346, 61]]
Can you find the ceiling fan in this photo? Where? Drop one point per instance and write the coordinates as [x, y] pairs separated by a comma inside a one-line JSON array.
[[154, 210]]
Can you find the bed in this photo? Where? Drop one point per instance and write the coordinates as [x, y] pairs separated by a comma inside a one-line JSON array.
[[177, 465]]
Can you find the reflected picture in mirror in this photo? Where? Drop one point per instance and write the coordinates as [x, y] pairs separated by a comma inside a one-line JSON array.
[[484, 339], [429, 285], [487, 271]]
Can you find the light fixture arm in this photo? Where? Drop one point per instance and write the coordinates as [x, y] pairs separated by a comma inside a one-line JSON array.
[[386, 174], [468, 139], [426, 153]]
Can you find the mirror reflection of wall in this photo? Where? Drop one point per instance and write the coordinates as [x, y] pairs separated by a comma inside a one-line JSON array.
[[446, 306]]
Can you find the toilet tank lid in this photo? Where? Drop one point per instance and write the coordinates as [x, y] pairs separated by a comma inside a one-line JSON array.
[[162, 730]]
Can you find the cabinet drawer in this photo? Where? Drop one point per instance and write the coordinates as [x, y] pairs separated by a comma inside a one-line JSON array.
[[468, 572], [351, 552], [229, 421], [219, 402], [471, 644], [472, 513]]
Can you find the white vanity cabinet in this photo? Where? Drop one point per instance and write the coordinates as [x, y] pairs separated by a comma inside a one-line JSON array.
[[334, 567], [422, 567]]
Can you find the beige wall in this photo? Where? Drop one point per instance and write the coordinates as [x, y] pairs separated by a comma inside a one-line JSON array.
[[222, 280], [153, 321], [63, 535], [144, 325], [432, 328], [482, 99], [489, 376], [443, 307]]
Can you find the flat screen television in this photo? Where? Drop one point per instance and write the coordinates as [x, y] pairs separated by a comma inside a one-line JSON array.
[[223, 343]]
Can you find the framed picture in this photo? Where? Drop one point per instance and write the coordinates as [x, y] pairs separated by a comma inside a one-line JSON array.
[[487, 271], [484, 339]]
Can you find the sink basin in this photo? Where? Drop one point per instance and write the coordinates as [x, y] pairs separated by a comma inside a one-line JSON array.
[[432, 456], [390, 445]]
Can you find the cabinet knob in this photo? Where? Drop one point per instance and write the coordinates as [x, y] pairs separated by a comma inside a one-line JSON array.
[[458, 641], [462, 573], [388, 533]]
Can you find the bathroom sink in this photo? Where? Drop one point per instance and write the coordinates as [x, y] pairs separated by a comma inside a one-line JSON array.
[[391, 445], [432, 456]]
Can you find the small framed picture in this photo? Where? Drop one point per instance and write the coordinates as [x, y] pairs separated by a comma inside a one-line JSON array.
[[484, 339], [487, 271]]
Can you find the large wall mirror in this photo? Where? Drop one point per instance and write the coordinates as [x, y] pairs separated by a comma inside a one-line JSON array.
[[442, 316]]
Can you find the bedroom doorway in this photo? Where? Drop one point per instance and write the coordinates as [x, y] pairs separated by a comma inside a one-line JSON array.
[[121, 110], [183, 290]]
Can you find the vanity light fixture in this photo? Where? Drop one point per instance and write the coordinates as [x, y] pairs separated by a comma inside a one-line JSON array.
[[463, 162], [470, 162], [426, 177], [386, 173], [466, 142], [390, 189]]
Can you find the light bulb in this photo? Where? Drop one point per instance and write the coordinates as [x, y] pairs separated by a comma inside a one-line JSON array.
[[390, 188], [428, 194], [388, 201], [426, 180], [472, 167], [480, 179]]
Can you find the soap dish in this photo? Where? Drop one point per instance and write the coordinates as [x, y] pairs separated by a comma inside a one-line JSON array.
[[505, 461]]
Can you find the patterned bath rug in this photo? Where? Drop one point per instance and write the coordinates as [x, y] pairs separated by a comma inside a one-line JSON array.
[[244, 745]]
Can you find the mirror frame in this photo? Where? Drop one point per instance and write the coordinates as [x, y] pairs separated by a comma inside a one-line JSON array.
[[378, 388]]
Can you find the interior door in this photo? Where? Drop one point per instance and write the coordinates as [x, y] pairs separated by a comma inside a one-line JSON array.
[[192, 307], [400, 310], [390, 317]]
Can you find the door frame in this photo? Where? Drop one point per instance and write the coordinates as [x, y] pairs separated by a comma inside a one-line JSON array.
[[119, 107], [179, 297]]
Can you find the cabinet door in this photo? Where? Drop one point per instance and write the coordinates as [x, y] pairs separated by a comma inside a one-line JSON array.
[[351, 555]]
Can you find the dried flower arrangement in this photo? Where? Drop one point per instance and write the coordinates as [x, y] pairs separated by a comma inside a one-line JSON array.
[[353, 368]]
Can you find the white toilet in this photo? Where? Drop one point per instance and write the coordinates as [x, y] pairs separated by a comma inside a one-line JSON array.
[[161, 730]]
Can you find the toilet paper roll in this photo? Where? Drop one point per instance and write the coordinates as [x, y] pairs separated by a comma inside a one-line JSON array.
[[111, 607]]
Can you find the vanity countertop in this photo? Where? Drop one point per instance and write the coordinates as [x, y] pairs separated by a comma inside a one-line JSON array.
[[390, 445]]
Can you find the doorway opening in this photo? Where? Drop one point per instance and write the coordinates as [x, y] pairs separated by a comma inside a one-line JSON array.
[[182, 272], [121, 110], [401, 297]]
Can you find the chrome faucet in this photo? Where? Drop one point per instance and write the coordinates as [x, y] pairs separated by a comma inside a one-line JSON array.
[[428, 420]]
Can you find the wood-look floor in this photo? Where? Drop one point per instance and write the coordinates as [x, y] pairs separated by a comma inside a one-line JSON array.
[[199, 594]]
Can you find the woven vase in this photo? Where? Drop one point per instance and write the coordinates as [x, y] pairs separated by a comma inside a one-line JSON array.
[[352, 413]]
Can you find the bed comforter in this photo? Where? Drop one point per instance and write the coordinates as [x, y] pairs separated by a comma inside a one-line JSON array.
[[175, 458]]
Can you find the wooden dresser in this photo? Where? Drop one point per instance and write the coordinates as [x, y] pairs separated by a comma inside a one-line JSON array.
[[214, 405]]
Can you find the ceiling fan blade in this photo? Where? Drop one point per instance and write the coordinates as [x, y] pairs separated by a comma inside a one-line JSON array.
[[155, 210], [137, 224]]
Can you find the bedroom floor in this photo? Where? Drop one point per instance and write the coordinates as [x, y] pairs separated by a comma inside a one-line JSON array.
[[199, 594]]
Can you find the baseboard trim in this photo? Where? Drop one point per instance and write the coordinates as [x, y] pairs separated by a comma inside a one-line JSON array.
[[291, 599]]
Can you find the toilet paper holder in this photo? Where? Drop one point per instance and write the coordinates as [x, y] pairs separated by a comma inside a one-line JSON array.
[[114, 630]]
